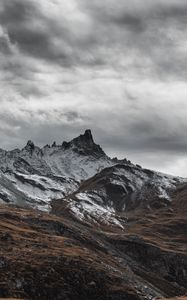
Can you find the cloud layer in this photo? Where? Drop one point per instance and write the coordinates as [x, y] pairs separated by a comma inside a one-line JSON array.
[[119, 68]]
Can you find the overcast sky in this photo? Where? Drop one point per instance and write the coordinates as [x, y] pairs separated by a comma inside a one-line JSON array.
[[118, 67]]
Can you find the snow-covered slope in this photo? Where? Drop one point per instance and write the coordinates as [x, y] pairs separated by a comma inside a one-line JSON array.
[[92, 185], [35, 176], [108, 196]]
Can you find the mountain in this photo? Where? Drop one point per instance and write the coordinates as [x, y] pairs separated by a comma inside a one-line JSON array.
[[115, 191], [77, 224], [35, 176]]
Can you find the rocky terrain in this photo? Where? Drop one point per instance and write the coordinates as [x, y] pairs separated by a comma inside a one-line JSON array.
[[76, 224], [80, 170], [44, 256], [34, 175]]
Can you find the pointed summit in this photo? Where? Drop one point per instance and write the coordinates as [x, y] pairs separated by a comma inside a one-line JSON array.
[[84, 144], [88, 136], [30, 145]]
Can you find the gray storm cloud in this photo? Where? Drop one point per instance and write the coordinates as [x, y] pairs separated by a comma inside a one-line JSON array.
[[118, 67]]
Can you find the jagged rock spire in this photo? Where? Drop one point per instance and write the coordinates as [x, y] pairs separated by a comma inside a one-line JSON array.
[[88, 136], [30, 145], [54, 144], [84, 144]]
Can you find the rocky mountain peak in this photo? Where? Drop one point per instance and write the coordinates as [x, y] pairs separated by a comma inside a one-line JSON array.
[[30, 148], [84, 144], [85, 139], [88, 136], [30, 145], [54, 144]]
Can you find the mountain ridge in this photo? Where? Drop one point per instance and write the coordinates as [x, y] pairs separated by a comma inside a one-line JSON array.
[[77, 225], [40, 175], [67, 163]]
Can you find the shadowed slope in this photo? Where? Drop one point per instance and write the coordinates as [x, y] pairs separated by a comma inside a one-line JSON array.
[[48, 257]]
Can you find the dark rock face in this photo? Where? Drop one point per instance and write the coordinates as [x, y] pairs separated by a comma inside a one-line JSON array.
[[127, 188], [84, 140], [54, 144], [87, 137], [170, 266], [85, 145], [30, 146], [21, 164]]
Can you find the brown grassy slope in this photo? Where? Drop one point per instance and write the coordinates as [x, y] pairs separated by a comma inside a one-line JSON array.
[[44, 257], [48, 257], [157, 241]]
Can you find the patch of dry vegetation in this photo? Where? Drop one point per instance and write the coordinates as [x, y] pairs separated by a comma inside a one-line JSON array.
[[44, 256]]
